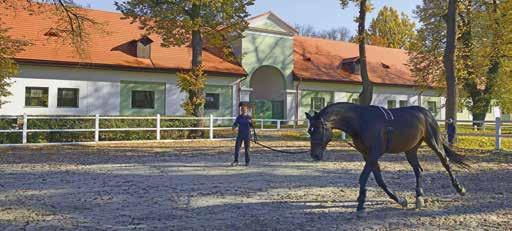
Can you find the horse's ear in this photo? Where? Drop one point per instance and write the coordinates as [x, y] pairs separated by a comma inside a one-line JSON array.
[[308, 116]]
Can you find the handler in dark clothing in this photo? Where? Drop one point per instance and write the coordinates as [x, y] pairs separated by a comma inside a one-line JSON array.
[[244, 124], [450, 129]]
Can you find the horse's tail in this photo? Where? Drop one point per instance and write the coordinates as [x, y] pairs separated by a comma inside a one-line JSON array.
[[456, 158], [436, 141]]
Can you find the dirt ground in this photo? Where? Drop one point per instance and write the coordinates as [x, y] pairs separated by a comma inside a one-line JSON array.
[[172, 186]]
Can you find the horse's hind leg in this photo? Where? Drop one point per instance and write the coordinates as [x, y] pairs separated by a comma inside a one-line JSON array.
[[412, 158], [380, 181], [434, 142]]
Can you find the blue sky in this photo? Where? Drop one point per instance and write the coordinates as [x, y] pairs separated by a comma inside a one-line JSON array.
[[322, 14]]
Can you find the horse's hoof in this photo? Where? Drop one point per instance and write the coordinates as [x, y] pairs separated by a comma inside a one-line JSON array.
[[361, 213], [461, 190], [402, 202], [420, 202]]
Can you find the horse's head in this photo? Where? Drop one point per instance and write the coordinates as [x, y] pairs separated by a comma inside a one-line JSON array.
[[320, 135]]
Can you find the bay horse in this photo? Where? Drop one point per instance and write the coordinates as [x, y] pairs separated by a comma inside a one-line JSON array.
[[375, 131]]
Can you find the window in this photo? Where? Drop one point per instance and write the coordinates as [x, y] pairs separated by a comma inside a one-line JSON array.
[[143, 99], [391, 104], [36, 97], [317, 103], [212, 101], [432, 106], [355, 100], [67, 97], [404, 103]]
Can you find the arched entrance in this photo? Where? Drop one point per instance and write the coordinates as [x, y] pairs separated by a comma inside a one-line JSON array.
[[268, 93]]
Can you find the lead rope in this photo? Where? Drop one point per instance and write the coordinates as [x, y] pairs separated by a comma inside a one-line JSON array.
[[255, 140]]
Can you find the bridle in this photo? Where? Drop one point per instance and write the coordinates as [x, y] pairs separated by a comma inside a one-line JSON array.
[[322, 128]]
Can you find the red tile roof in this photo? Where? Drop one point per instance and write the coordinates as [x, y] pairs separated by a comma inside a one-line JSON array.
[[108, 49], [320, 59], [315, 59]]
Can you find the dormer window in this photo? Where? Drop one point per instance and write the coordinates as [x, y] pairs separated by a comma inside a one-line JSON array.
[[144, 47], [351, 65]]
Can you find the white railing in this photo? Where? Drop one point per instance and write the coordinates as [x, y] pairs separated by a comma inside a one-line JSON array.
[[260, 124]]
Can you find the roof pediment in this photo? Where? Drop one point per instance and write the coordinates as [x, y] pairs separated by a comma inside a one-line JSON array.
[[271, 23]]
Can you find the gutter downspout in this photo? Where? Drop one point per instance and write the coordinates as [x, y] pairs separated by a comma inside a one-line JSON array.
[[297, 98], [239, 92]]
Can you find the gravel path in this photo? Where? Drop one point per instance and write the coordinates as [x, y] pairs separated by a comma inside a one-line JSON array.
[[175, 187]]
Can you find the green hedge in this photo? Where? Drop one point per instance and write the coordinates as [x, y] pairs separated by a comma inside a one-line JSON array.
[[12, 137]]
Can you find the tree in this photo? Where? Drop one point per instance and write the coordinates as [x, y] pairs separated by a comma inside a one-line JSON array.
[[9, 47], [194, 22], [503, 93], [365, 97], [449, 61], [389, 29], [306, 30], [427, 48], [479, 68], [337, 34], [72, 25]]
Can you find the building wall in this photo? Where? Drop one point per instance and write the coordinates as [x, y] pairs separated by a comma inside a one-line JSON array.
[[126, 97], [225, 100], [99, 90], [306, 95], [340, 92]]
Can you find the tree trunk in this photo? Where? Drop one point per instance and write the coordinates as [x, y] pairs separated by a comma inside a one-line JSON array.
[[449, 61], [197, 62], [365, 97]]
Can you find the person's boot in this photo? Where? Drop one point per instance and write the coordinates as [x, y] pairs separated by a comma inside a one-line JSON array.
[[234, 164], [247, 163]]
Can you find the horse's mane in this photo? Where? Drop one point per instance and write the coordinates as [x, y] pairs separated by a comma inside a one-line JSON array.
[[336, 107]]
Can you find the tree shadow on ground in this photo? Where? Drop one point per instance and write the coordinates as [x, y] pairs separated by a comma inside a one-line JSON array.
[[134, 188]]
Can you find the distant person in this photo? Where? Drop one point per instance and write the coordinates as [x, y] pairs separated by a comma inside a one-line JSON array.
[[450, 130], [244, 124]]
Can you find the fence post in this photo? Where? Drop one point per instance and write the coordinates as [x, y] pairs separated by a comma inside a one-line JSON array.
[[211, 127], [25, 128], [262, 125], [158, 127], [278, 124], [343, 136], [498, 133], [97, 128]]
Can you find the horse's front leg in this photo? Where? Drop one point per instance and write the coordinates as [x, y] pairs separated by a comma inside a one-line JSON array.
[[363, 179], [380, 181], [373, 154]]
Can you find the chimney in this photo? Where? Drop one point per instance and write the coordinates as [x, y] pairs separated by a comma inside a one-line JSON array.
[[144, 47]]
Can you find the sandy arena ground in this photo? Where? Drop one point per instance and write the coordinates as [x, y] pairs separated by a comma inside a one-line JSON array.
[[171, 186]]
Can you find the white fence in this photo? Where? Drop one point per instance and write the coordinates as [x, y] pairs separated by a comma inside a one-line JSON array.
[[211, 123], [492, 128]]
